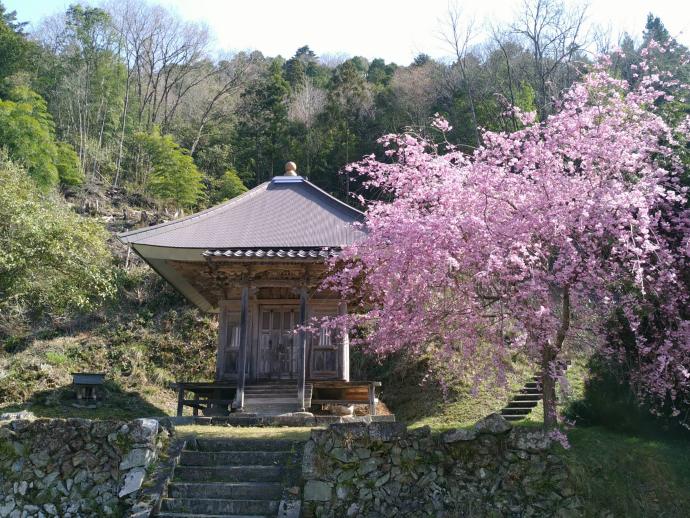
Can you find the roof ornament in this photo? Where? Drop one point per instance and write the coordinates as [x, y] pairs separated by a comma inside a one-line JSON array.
[[290, 169]]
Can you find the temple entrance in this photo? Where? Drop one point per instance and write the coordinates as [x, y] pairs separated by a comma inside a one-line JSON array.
[[277, 355]]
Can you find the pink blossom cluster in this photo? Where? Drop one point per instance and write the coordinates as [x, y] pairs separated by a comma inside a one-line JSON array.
[[475, 256]]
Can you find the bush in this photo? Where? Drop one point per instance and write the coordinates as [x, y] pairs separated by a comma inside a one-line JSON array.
[[68, 167], [610, 401], [53, 262]]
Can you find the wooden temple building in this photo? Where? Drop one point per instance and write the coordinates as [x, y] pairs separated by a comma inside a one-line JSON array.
[[257, 261]]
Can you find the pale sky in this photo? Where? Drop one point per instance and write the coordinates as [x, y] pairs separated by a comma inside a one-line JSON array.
[[394, 30]]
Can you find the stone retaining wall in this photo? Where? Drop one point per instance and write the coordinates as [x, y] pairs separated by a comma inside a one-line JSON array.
[[74, 467], [384, 470]]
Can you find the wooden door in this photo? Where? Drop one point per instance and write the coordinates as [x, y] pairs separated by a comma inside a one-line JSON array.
[[228, 345], [277, 356], [324, 349]]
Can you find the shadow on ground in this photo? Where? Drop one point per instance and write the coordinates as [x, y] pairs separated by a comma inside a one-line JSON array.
[[115, 403]]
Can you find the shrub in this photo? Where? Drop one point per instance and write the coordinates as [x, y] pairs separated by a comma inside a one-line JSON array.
[[52, 261]]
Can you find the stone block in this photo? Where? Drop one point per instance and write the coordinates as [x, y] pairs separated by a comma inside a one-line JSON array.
[[493, 424], [132, 482], [144, 431], [459, 435], [318, 491], [137, 457]]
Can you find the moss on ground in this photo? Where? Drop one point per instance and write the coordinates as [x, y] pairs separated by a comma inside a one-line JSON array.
[[292, 433], [630, 476]]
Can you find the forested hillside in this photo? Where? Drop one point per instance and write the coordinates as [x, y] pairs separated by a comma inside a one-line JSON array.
[[127, 94]]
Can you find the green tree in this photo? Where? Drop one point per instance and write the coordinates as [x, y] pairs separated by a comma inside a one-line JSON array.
[[85, 86], [15, 49], [167, 170], [228, 186], [379, 73], [655, 30], [27, 133], [52, 261], [68, 167], [349, 104], [262, 131]]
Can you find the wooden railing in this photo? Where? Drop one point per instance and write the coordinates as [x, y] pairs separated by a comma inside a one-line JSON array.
[[324, 392], [205, 394]]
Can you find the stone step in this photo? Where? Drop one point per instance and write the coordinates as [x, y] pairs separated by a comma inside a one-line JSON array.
[[272, 386], [516, 411], [197, 515], [225, 490], [272, 409], [234, 458], [265, 399], [527, 397], [509, 417], [532, 391], [219, 506], [522, 404], [243, 445], [275, 393], [270, 390], [228, 473], [532, 385]]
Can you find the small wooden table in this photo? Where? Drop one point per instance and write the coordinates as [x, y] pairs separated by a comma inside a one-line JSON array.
[[206, 394]]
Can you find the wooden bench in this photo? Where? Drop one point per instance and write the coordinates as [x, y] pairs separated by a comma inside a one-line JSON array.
[[345, 393], [205, 395]]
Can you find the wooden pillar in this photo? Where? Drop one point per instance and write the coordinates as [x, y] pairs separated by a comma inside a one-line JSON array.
[[372, 399], [302, 349], [180, 399], [242, 356], [222, 351], [344, 347]]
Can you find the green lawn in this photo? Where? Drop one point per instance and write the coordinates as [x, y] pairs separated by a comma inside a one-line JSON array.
[[292, 433], [630, 476]]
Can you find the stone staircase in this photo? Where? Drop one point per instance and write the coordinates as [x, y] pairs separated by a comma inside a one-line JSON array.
[[522, 403], [529, 396], [231, 478], [274, 398]]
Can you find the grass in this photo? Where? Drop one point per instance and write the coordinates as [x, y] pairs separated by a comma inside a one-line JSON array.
[[418, 404], [292, 433], [630, 476]]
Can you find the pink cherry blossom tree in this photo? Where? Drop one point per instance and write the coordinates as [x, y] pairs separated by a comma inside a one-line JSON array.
[[564, 221]]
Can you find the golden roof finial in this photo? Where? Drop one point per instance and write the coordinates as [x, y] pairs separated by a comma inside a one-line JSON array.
[[290, 169]]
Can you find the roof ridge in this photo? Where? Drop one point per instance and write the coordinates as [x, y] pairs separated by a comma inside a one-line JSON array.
[[340, 202]]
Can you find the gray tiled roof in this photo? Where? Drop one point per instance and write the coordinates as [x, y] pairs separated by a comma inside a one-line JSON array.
[[283, 215]]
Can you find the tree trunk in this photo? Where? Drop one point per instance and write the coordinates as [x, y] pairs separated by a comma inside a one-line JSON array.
[[550, 353], [548, 386]]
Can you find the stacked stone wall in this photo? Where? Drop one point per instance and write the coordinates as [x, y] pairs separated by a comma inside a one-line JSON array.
[[384, 470], [75, 467]]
